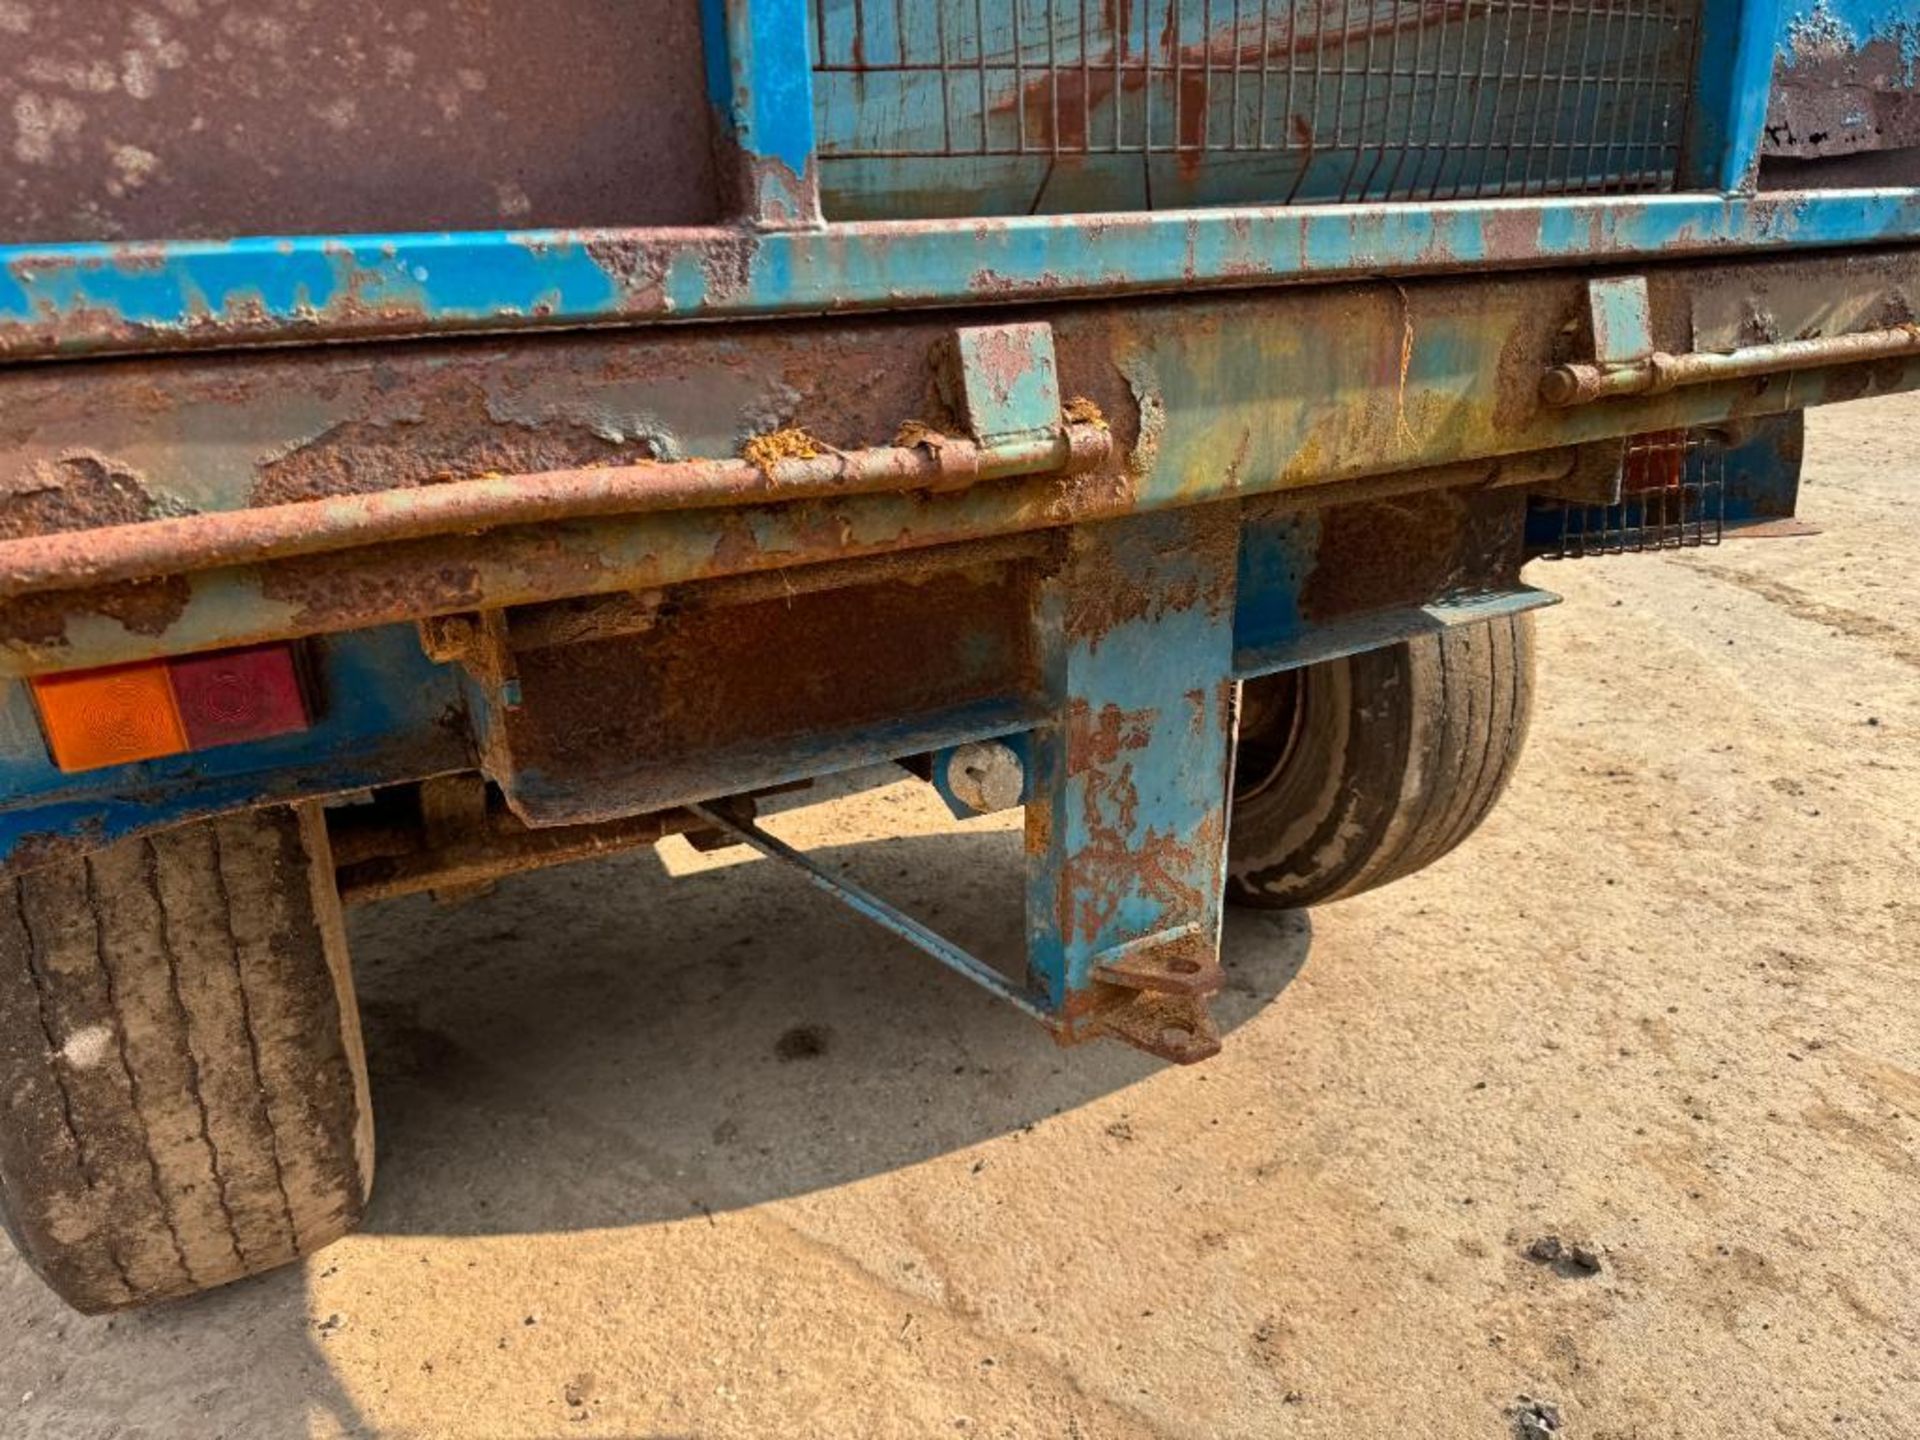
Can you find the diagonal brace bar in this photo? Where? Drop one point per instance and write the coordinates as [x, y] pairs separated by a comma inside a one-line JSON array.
[[881, 912]]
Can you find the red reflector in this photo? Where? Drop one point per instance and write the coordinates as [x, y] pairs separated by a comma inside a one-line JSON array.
[[239, 695]]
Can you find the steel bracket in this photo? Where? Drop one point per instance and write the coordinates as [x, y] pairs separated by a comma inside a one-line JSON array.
[[1621, 314], [1004, 382], [1182, 963], [1124, 782], [479, 643], [1178, 1028], [1159, 992]]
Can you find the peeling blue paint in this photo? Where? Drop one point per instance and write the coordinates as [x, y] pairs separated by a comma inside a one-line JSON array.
[[1831, 29], [760, 80], [93, 298], [294, 281]]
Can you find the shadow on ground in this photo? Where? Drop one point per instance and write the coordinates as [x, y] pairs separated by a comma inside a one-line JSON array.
[[609, 1045], [677, 1045]]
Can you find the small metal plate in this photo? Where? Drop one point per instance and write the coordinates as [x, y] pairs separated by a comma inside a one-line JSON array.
[[1622, 319], [1008, 383]]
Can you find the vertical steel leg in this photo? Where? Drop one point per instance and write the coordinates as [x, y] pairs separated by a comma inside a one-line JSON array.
[[760, 81], [1127, 808]]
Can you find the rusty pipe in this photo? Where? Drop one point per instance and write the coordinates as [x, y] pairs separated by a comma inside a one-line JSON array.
[[1581, 384], [412, 866], [151, 549]]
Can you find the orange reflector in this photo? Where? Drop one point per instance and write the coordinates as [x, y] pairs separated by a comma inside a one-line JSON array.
[[110, 717]]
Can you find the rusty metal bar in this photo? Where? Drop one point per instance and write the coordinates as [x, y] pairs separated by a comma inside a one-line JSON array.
[[492, 857], [522, 566], [599, 617], [1581, 384], [890, 917], [186, 544]]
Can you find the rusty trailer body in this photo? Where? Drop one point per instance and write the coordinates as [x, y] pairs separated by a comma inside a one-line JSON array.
[[1060, 368]]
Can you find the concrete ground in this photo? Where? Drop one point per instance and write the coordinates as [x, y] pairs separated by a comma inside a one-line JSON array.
[[672, 1147]]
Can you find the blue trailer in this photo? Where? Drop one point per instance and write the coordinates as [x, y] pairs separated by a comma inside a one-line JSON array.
[[436, 446]]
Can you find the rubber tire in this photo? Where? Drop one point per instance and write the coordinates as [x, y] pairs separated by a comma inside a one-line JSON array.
[[183, 1090], [1397, 756]]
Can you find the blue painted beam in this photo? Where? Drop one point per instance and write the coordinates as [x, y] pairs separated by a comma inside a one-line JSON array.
[[1733, 75], [1126, 810], [760, 81], [98, 298]]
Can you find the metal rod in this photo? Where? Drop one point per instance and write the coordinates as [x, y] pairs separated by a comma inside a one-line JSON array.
[[866, 903], [1580, 384], [485, 858], [184, 544]]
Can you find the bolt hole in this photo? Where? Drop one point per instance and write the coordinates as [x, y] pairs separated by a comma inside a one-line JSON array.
[[1175, 1036], [1185, 965]]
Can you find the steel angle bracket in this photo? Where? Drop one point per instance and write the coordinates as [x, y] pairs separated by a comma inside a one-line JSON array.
[[1158, 989], [1152, 995], [1124, 784]]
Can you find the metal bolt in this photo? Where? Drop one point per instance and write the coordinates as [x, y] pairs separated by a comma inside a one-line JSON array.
[[986, 776]]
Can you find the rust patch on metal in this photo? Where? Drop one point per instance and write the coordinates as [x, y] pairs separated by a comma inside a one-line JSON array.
[[1100, 740], [1829, 99], [80, 490], [727, 262], [638, 269], [451, 433], [1112, 594], [1117, 858], [1114, 600], [1413, 548], [141, 607], [603, 721], [1511, 234], [343, 592]]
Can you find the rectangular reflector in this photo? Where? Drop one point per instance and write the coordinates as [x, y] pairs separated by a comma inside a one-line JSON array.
[[109, 717], [236, 695]]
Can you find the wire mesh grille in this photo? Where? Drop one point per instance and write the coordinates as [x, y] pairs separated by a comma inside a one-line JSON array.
[[1673, 496], [1341, 99]]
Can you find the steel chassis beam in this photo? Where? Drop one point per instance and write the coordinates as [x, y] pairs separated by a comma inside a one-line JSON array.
[[108, 298]]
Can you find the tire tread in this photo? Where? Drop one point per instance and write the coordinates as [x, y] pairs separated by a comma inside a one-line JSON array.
[[1423, 737], [179, 1099]]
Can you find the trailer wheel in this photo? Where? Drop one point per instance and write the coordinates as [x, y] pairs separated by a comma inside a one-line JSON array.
[[1361, 770], [183, 1094]]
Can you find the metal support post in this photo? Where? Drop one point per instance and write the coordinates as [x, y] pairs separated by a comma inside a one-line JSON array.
[[1127, 809]]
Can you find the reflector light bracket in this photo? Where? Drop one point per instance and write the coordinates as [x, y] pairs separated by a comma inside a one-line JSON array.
[[94, 719]]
